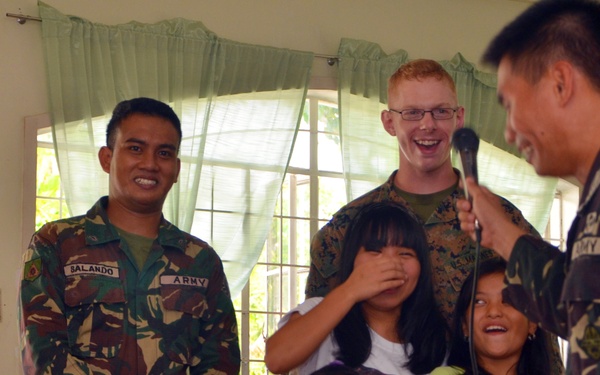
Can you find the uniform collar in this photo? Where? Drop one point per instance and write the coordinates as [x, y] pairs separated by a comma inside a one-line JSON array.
[[99, 230]]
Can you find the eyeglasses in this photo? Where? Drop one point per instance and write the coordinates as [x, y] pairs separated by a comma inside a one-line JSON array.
[[418, 114]]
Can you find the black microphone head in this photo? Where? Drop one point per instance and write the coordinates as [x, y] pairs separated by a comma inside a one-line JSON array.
[[465, 139]]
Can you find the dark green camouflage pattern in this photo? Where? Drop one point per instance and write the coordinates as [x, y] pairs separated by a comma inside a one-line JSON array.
[[562, 290], [452, 251], [86, 308]]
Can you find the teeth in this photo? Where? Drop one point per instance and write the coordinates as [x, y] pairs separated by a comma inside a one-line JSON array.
[[495, 328], [143, 181], [427, 142]]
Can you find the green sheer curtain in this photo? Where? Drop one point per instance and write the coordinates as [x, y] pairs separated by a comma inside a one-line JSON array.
[[240, 107], [370, 154]]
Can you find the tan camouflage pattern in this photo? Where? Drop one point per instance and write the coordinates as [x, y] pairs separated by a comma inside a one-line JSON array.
[[562, 290], [86, 308], [452, 251]]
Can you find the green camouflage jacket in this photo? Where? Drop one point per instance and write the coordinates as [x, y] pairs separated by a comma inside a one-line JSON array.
[[562, 290], [86, 308], [452, 250]]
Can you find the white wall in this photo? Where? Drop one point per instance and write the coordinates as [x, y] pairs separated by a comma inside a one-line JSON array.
[[425, 28]]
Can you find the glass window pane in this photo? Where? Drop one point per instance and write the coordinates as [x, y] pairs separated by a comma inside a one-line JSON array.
[[332, 196], [330, 155], [305, 121], [46, 210], [329, 118], [48, 178], [301, 154], [257, 336], [302, 195], [297, 234], [284, 196], [272, 251], [258, 368]]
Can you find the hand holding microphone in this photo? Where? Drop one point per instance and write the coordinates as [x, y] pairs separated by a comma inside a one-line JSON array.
[[466, 142], [481, 214]]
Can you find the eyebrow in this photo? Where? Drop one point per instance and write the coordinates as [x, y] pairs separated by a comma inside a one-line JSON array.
[[437, 105], [169, 146]]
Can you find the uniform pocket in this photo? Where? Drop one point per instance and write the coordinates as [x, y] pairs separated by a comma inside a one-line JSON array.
[[185, 314], [580, 285], [95, 308]]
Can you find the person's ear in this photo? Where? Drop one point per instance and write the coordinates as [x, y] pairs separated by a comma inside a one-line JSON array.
[[562, 74], [532, 328], [465, 328], [105, 157], [388, 122]]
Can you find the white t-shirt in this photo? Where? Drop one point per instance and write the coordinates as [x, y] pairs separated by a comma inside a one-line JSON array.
[[386, 356]]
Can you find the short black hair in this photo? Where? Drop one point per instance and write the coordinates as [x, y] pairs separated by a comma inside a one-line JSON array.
[[142, 106], [549, 31]]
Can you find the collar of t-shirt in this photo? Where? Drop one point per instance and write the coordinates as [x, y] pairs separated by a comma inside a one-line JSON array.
[[425, 204], [138, 245]]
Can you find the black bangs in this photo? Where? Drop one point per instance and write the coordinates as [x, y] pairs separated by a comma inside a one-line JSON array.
[[381, 224], [389, 228]]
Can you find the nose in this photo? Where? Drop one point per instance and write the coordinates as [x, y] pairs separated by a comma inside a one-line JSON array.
[[148, 161], [494, 310], [427, 122]]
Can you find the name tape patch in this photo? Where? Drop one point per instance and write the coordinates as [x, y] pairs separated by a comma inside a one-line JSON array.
[[91, 269], [200, 282]]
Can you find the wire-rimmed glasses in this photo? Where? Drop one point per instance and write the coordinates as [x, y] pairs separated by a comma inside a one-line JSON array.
[[417, 114]]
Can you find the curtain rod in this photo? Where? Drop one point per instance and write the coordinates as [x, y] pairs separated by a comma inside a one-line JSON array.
[[21, 18], [331, 59]]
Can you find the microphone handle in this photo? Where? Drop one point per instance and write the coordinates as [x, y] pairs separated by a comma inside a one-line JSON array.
[[469, 164]]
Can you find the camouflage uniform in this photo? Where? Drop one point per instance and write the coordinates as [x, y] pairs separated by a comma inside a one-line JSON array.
[[562, 290], [452, 250], [86, 308]]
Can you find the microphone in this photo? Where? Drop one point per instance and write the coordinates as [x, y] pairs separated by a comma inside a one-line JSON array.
[[466, 142]]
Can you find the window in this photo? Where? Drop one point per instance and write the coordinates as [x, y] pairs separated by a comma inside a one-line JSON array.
[[49, 198], [312, 191], [40, 178]]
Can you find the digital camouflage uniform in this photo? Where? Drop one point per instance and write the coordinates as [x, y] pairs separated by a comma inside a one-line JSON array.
[[86, 308], [562, 290], [452, 251]]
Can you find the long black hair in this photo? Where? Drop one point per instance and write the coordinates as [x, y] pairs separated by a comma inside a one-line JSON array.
[[535, 356], [420, 324]]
